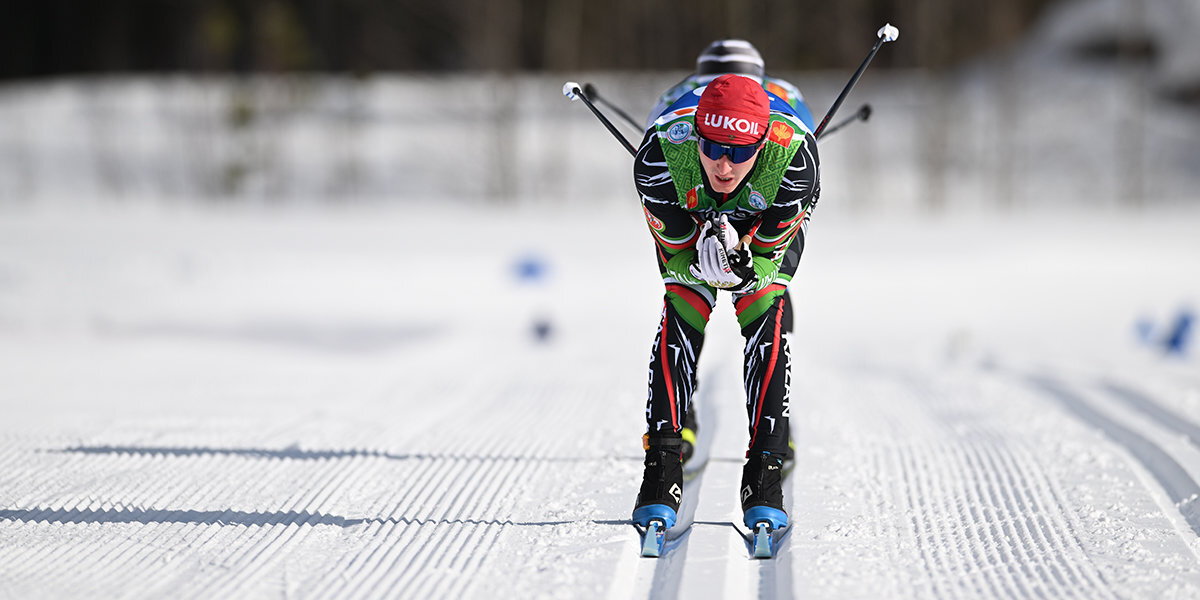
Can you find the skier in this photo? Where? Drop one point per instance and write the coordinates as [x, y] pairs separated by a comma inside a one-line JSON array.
[[728, 179], [742, 58], [739, 57]]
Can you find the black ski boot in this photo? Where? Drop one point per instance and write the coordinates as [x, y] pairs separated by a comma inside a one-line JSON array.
[[662, 483], [762, 490]]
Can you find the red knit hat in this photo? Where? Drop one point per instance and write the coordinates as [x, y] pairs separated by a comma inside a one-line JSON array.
[[733, 110]]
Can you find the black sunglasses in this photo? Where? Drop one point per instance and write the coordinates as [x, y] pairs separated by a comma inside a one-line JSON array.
[[736, 154]]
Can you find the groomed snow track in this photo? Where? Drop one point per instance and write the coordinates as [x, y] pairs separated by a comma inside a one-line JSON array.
[[159, 444]]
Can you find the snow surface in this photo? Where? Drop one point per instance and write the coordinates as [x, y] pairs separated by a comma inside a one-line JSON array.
[[254, 343], [351, 403]]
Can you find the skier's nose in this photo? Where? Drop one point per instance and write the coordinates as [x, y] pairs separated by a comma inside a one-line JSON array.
[[724, 166]]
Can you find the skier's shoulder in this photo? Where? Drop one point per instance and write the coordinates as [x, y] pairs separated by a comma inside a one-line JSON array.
[[784, 89], [678, 90]]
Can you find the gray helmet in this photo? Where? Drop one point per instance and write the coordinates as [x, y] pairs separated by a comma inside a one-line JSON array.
[[730, 56]]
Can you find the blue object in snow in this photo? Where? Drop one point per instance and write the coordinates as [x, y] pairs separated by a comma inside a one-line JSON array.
[[1177, 338], [530, 268]]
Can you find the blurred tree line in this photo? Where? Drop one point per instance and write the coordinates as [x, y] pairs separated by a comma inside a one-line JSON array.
[[50, 37]]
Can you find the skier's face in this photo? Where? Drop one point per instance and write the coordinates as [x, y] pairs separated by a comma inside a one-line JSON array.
[[724, 175]]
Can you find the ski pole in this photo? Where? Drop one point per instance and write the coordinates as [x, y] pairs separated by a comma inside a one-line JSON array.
[[887, 33], [594, 94], [572, 91], [862, 114]]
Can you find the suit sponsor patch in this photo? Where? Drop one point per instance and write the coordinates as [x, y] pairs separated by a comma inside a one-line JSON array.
[[679, 132], [781, 133], [757, 201]]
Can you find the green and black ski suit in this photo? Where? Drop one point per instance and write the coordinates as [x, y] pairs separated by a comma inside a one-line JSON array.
[[772, 205]]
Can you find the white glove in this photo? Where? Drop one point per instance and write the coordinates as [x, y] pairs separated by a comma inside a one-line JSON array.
[[712, 264], [726, 233]]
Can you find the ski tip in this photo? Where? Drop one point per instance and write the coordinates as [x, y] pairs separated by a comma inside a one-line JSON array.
[[763, 547]]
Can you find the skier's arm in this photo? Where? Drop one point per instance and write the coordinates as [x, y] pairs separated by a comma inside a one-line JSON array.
[[674, 230], [786, 220]]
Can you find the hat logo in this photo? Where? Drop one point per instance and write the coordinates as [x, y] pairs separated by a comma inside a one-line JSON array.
[[731, 124]]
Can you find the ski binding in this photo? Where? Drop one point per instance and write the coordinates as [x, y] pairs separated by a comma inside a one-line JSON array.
[[767, 526], [654, 538]]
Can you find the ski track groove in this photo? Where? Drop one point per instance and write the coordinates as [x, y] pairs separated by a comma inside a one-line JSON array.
[[1070, 523], [1000, 512], [1039, 507], [259, 557], [408, 498], [150, 567], [352, 565], [944, 524], [992, 489], [1170, 474], [466, 502], [251, 539], [419, 507], [970, 506], [401, 560], [73, 511], [917, 509], [308, 501], [486, 510], [474, 561], [340, 569], [1024, 511], [456, 540], [445, 580], [886, 503], [396, 560], [1154, 409], [228, 484], [1009, 508], [463, 490], [133, 552], [986, 522]]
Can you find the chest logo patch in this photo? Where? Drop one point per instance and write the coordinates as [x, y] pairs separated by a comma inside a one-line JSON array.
[[679, 132], [781, 133], [757, 202]]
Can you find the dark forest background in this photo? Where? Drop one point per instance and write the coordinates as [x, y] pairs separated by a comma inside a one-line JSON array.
[[41, 38]]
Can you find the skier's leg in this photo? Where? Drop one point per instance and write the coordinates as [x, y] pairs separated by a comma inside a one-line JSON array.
[[674, 357], [672, 385], [763, 317], [767, 370], [791, 261]]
